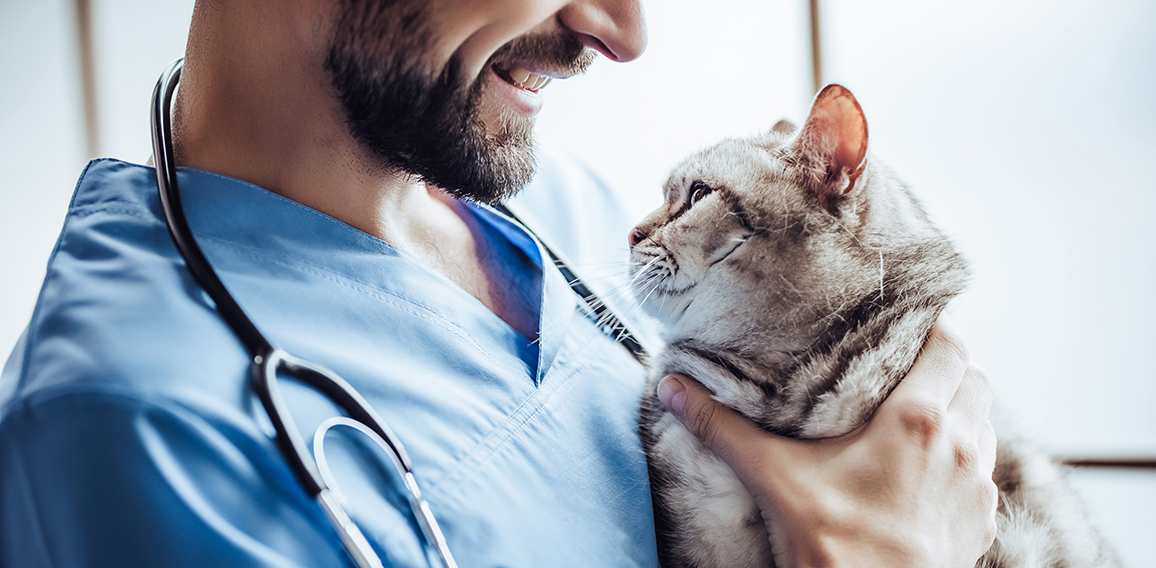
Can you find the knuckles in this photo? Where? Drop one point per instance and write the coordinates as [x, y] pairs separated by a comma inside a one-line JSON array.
[[981, 381], [966, 457], [949, 348], [923, 421]]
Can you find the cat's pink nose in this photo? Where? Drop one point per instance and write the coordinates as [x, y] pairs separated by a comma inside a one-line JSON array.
[[636, 237]]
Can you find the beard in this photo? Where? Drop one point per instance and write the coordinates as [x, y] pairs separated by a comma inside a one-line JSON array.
[[424, 121]]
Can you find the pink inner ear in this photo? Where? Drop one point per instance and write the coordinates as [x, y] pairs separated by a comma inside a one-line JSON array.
[[852, 133], [836, 134]]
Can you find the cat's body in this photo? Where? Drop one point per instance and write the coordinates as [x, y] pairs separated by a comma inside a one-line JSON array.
[[797, 278]]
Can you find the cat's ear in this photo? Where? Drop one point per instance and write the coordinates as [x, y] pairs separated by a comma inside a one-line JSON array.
[[833, 143], [784, 126]]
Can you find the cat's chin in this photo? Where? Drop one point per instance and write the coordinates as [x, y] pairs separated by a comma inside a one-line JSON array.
[[667, 311], [666, 320]]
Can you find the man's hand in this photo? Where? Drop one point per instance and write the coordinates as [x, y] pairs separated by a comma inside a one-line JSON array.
[[910, 488]]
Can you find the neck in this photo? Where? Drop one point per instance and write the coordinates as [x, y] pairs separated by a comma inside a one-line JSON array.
[[259, 108]]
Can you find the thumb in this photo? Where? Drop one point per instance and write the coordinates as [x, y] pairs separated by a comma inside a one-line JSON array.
[[725, 432]]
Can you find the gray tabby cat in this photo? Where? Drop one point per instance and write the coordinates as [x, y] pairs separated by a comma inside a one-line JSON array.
[[797, 278]]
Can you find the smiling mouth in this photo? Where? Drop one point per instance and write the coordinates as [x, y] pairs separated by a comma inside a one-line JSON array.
[[523, 78]]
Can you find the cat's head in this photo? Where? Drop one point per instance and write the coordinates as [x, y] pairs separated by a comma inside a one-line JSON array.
[[771, 234]]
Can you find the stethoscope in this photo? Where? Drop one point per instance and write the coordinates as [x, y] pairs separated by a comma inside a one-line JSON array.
[[267, 361]]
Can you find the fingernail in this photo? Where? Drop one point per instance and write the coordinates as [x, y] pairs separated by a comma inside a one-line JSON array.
[[672, 393]]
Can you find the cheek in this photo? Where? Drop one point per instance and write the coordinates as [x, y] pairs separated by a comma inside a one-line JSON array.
[[710, 235], [715, 244], [689, 247]]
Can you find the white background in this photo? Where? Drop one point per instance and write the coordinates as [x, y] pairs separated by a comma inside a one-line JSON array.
[[1028, 128]]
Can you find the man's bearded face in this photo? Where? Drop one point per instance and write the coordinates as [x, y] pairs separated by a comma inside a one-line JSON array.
[[424, 118]]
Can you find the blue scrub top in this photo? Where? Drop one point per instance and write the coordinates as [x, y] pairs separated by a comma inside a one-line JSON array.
[[129, 436]]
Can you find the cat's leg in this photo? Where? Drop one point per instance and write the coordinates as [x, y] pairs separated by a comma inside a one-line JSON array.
[[714, 517], [1041, 520]]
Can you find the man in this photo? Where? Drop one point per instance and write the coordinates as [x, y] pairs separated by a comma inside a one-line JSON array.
[[333, 150]]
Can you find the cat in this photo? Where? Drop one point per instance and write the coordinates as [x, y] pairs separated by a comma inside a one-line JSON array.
[[797, 278]]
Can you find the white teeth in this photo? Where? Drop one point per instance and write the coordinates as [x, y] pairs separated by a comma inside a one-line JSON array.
[[526, 79], [519, 75]]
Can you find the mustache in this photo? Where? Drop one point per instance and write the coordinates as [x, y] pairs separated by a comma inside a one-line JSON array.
[[563, 53]]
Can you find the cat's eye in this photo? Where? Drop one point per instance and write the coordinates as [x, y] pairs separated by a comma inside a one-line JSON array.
[[698, 190]]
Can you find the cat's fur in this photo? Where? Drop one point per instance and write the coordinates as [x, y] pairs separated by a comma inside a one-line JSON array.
[[797, 278]]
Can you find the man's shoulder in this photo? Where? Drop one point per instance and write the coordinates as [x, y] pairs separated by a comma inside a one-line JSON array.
[[112, 288], [136, 479]]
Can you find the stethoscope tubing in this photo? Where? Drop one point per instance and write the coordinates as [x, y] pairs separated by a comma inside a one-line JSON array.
[[612, 325], [198, 265], [267, 361]]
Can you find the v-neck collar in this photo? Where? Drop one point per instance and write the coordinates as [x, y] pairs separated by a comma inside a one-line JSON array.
[[228, 210], [558, 303]]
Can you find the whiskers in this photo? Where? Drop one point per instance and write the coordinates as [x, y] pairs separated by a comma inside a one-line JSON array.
[[600, 305], [646, 280]]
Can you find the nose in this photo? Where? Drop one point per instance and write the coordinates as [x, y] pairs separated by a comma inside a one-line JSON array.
[[636, 237], [616, 28]]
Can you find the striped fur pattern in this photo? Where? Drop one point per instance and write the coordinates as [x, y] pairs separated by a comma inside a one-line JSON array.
[[797, 278]]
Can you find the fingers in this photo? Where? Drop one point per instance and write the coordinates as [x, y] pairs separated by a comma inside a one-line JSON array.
[[988, 492], [974, 397], [971, 405], [973, 442], [939, 369], [987, 449], [728, 434]]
